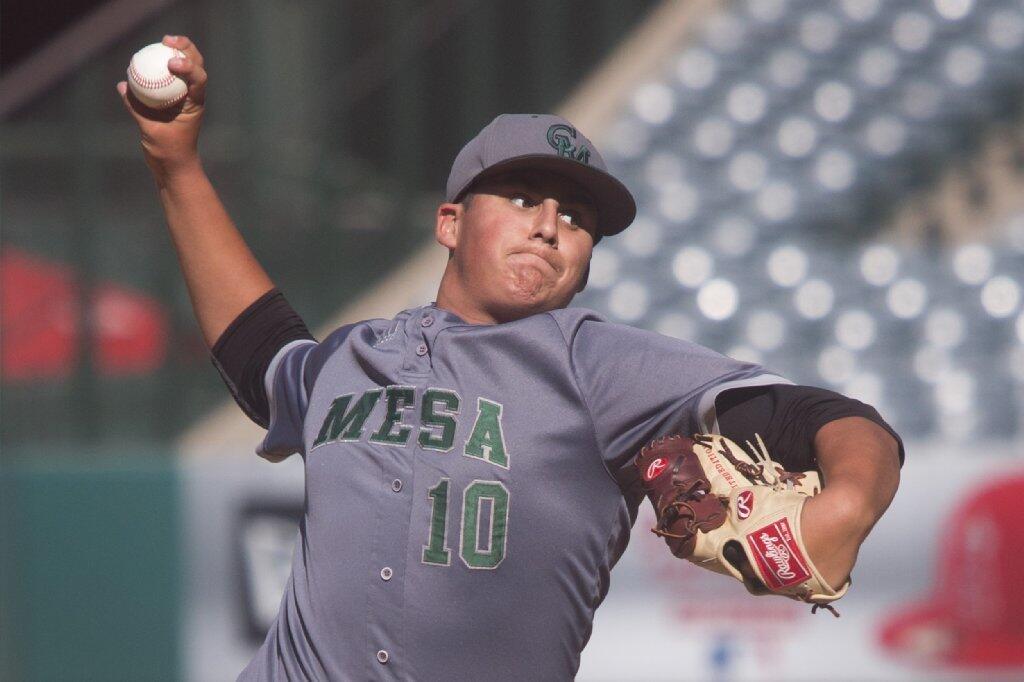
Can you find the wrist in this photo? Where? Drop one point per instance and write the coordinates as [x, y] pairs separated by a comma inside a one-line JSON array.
[[175, 173], [831, 544]]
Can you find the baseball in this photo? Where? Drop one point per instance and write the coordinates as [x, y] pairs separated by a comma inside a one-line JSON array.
[[151, 82]]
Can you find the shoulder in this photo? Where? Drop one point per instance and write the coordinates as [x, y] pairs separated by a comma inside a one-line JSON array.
[[368, 332], [585, 325], [364, 330], [571, 320], [574, 316]]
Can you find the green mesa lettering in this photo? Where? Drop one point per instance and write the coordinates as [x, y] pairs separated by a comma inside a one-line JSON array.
[[487, 440], [398, 397], [344, 425], [439, 410], [439, 414]]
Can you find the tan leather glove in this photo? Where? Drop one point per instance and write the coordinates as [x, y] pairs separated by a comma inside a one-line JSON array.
[[734, 511]]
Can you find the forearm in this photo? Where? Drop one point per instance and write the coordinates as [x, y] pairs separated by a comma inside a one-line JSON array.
[[222, 275], [859, 463], [221, 272]]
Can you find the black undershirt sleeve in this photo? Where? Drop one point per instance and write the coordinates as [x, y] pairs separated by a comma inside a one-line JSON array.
[[243, 352], [788, 418]]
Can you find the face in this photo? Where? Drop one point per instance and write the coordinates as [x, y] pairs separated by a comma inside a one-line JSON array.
[[520, 245]]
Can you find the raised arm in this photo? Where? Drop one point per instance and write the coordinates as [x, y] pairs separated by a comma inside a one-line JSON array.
[[222, 274]]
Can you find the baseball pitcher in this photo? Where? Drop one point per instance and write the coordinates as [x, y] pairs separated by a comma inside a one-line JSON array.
[[474, 465]]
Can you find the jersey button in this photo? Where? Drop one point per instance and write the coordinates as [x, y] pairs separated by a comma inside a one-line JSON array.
[[382, 656], [427, 321], [386, 573], [421, 349], [396, 485]]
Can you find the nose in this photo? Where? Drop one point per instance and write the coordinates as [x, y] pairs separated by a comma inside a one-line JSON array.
[[545, 225]]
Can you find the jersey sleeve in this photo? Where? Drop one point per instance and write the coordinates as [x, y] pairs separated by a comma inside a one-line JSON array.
[[288, 398], [789, 418], [289, 382], [639, 384], [245, 349]]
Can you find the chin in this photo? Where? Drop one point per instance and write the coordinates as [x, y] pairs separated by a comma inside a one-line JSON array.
[[529, 292], [512, 307], [518, 306]]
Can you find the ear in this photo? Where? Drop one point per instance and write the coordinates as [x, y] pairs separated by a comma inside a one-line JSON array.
[[446, 228]]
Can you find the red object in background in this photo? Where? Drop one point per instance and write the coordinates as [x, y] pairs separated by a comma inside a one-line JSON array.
[[39, 323], [973, 618]]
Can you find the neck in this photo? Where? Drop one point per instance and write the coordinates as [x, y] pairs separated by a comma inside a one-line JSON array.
[[452, 297]]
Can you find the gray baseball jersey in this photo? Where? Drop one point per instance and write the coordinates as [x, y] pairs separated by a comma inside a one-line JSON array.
[[467, 487]]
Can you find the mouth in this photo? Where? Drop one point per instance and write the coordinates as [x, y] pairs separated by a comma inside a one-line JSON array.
[[530, 255]]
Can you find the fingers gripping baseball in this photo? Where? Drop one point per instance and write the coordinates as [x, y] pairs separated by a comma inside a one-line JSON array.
[[190, 68], [167, 110]]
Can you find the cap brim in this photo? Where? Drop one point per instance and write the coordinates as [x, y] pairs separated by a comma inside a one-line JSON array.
[[615, 204]]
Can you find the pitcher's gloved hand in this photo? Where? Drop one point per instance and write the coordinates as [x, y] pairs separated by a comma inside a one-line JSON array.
[[734, 511]]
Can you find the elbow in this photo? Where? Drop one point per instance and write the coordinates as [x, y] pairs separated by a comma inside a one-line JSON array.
[[889, 471], [861, 467]]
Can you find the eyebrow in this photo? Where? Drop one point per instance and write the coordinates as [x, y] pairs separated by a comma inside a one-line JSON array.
[[570, 196]]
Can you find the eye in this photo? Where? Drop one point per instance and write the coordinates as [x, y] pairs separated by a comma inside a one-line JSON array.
[[521, 200], [571, 217]]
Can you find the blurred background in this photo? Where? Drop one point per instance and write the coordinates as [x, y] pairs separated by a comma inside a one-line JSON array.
[[833, 188]]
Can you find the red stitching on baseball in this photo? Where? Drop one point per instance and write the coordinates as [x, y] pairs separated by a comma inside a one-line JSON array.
[[146, 82]]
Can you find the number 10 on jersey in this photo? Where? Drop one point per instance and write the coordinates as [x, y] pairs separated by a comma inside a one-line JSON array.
[[481, 545]]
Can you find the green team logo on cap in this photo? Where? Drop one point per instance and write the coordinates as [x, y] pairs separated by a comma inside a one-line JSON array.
[[561, 136]]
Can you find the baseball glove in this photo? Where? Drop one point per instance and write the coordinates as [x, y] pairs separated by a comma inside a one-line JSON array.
[[734, 512]]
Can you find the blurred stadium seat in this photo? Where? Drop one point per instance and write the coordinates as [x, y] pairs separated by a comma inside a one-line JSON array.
[[776, 145]]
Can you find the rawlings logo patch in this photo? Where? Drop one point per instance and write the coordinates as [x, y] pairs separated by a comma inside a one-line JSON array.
[[777, 555], [655, 468], [744, 504]]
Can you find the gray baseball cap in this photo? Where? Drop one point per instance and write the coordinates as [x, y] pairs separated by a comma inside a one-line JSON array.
[[543, 141]]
